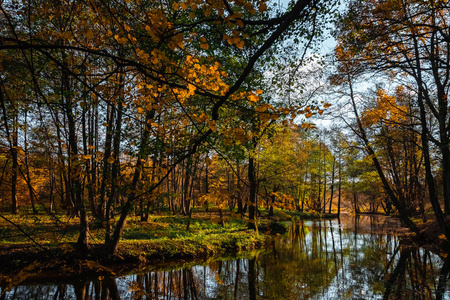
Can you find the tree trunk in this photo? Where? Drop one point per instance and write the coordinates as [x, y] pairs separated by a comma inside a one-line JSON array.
[[15, 168], [339, 187], [324, 183], [332, 185], [27, 167], [252, 196], [428, 171], [106, 162], [12, 138], [240, 209], [83, 238], [113, 242]]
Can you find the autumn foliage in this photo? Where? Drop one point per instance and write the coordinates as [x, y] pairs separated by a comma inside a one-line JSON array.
[[112, 107]]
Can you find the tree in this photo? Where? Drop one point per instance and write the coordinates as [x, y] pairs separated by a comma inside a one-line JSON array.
[[133, 86], [348, 71], [408, 41]]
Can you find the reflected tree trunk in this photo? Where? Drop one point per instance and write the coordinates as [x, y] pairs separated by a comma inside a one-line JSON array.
[[236, 282], [398, 272], [334, 250], [252, 279], [443, 279], [80, 288], [109, 284]]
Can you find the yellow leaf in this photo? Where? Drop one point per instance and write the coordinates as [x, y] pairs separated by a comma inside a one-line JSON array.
[[259, 92], [204, 46], [66, 35], [253, 98], [120, 40], [308, 125], [184, 5], [140, 110], [89, 34], [262, 7], [175, 6], [110, 160], [240, 44]]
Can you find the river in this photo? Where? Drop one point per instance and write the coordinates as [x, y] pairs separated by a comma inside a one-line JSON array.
[[353, 258]]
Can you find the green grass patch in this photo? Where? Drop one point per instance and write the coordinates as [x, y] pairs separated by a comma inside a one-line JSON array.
[[195, 246], [161, 238]]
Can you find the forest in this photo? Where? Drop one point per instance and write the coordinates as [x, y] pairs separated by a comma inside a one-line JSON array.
[[213, 122]]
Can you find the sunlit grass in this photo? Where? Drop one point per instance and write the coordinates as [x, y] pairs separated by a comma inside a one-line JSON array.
[[63, 228], [162, 236]]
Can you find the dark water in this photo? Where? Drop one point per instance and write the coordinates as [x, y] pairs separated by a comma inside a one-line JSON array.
[[351, 259]]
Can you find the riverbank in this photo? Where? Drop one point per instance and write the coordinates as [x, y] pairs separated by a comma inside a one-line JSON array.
[[20, 262], [321, 256], [161, 238]]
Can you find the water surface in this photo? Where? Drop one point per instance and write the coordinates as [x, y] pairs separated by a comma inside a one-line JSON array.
[[354, 258]]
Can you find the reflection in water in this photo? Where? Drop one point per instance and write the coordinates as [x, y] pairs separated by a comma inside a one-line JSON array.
[[354, 259]]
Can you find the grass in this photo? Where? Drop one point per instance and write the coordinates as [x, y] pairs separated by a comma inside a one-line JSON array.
[[64, 229], [161, 237], [51, 231]]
